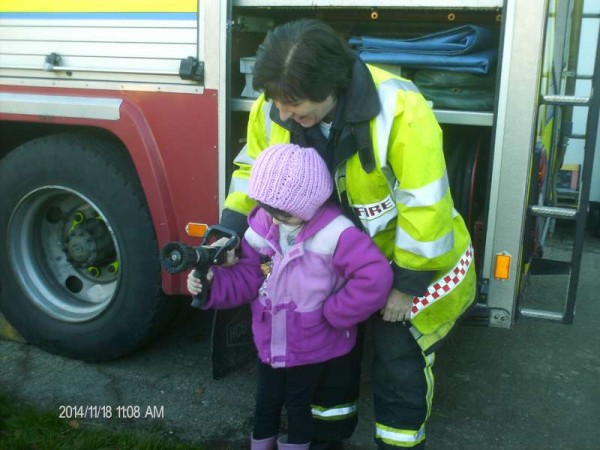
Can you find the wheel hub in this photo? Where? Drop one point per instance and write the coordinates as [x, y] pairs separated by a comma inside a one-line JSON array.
[[89, 244], [81, 248]]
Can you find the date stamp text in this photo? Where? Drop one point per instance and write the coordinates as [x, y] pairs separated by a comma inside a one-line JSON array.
[[111, 412]]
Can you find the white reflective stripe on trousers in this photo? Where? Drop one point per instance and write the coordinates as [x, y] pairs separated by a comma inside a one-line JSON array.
[[391, 436], [336, 412]]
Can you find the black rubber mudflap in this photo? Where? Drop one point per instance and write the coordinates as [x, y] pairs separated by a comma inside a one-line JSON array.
[[232, 345]]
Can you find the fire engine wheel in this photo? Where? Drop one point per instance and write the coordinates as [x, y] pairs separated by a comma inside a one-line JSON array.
[[79, 265]]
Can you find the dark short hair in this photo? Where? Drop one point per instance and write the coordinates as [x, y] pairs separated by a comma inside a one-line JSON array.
[[303, 60]]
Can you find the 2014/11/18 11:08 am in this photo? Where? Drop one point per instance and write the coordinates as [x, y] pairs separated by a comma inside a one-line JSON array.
[[108, 412]]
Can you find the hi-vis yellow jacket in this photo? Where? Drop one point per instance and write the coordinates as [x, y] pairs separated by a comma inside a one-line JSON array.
[[390, 175]]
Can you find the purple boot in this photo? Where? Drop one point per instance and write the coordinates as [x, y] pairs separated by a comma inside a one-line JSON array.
[[263, 444], [282, 444]]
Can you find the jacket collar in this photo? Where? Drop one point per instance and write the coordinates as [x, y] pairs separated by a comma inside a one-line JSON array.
[[362, 101]]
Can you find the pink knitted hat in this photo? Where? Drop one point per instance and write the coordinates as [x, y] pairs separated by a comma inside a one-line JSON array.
[[291, 178]]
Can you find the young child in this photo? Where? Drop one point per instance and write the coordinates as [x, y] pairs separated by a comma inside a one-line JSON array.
[[310, 275]]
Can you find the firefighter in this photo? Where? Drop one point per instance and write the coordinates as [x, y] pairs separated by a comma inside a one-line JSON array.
[[383, 146]]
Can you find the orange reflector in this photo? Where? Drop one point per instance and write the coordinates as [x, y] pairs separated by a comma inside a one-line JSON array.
[[196, 229], [502, 268]]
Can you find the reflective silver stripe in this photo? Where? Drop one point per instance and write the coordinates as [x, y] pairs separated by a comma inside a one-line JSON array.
[[383, 124], [267, 116], [61, 106], [405, 85], [430, 249], [426, 195], [395, 435], [390, 177], [239, 185], [415, 333], [429, 360], [243, 157], [329, 413], [445, 284], [385, 119]]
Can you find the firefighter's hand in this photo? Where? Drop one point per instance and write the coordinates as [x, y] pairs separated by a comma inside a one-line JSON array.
[[398, 307], [194, 284], [230, 258]]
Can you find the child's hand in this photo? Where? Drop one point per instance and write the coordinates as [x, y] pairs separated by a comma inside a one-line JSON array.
[[194, 284]]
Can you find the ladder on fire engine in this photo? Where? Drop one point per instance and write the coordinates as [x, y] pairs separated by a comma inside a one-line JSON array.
[[578, 213]]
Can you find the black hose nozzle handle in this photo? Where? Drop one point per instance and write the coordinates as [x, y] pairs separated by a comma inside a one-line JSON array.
[[199, 300]]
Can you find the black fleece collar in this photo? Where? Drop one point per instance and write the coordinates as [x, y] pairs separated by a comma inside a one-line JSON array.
[[362, 101]]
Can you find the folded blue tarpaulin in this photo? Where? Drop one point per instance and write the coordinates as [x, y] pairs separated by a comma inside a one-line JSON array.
[[468, 48], [480, 63], [456, 41]]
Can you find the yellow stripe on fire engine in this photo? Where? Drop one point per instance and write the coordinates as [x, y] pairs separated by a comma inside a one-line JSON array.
[[104, 6]]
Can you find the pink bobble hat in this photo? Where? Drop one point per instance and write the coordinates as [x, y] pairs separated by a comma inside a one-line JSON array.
[[291, 178]]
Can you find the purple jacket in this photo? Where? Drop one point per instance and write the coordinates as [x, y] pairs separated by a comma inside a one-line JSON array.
[[332, 278]]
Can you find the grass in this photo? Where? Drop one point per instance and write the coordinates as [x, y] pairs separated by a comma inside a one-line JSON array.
[[23, 427]]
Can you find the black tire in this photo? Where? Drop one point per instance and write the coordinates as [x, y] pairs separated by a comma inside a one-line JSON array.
[[71, 207]]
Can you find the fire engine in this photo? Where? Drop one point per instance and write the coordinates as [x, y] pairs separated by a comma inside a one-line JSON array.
[[120, 120]]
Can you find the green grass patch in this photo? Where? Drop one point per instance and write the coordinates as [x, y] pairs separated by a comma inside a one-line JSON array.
[[23, 427]]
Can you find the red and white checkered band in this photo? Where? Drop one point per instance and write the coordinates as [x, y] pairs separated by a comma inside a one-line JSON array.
[[445, 284]]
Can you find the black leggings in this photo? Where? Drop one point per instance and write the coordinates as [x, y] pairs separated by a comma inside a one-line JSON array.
[[292, 387]]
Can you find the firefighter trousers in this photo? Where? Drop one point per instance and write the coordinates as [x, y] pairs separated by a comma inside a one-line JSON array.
[[402, 386]]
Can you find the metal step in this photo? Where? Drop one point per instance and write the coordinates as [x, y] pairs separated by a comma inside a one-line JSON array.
[[553, 211], [542, 314], [565, 100]]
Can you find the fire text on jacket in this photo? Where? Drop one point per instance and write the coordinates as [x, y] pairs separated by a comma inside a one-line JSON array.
[[374, 210]]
